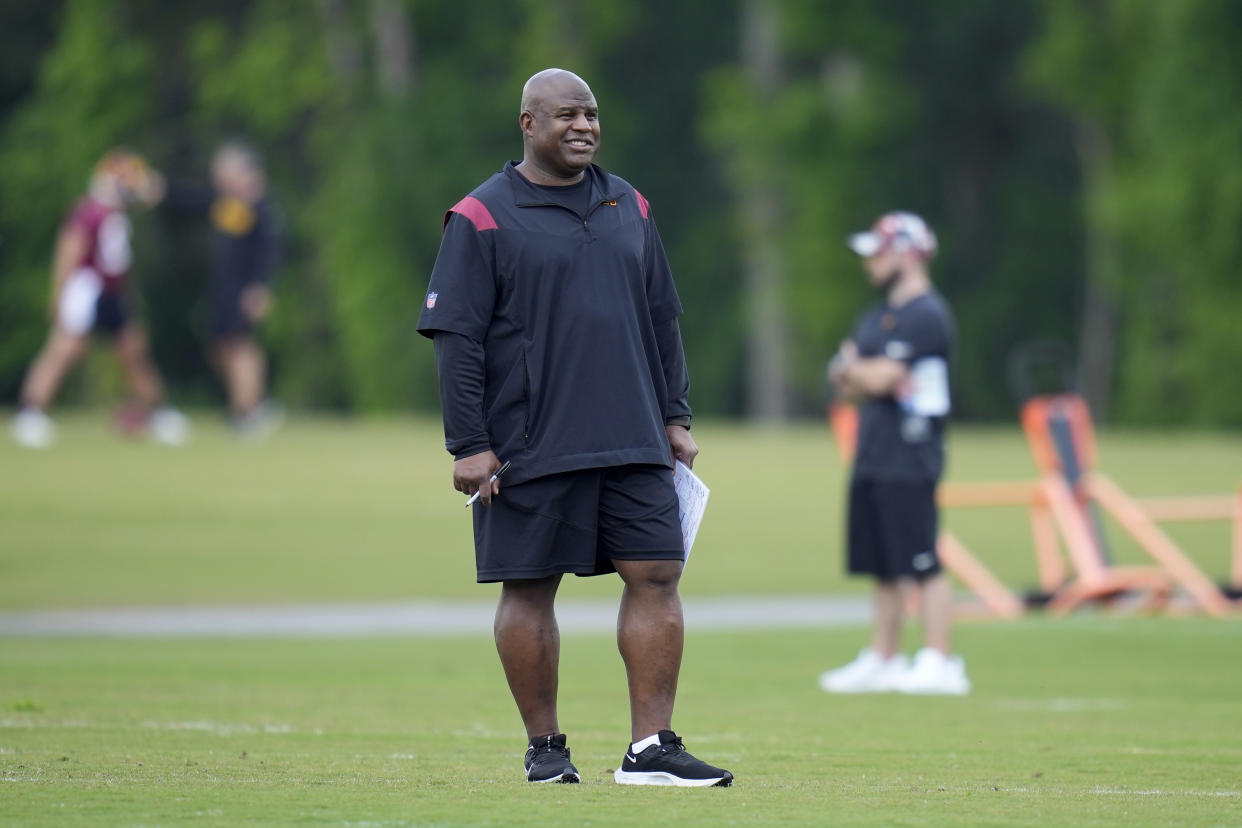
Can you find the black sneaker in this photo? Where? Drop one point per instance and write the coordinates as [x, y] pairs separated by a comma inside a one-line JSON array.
[[547, 760], [668, 763]]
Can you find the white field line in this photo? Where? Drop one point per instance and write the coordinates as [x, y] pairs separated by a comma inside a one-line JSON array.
[[1062, 705], [419, 618], [219, 728], [1154, 792]]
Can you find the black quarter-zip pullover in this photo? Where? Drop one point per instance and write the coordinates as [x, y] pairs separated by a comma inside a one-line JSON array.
[[556, 329]]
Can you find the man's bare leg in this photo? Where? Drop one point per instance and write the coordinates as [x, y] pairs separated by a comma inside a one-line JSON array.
[[888, 612], [529, 643], [144, 380], [650, 633], [937, 601], [60, 353], [244, 369]]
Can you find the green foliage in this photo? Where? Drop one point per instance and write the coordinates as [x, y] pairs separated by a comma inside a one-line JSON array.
[[267, 77], [905, 106], [965, 112], [366, 257], [1182, 205], [1151, 78], [85, 99]]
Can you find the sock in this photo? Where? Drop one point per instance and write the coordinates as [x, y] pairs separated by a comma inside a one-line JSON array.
[[638, 747]]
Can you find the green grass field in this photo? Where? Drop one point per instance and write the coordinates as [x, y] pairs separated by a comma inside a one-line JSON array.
[[342, 511], [1089, 721], [1092, 720]]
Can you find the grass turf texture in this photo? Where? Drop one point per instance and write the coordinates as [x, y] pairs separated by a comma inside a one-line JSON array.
[[1090, 720], [1086, 721], [348, 511]]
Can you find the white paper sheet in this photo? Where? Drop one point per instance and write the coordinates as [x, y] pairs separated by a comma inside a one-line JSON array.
[[692, 496]]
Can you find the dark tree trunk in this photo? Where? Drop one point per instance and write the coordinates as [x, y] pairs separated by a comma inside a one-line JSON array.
[[1097, 343], [767, 324]]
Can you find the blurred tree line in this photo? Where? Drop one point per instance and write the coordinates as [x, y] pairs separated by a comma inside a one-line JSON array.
[[1079, 160]]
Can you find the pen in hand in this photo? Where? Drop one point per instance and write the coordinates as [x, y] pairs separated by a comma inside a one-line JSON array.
[[504, 468]]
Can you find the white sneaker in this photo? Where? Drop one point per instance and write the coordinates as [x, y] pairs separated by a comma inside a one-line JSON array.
[[168, 427], [934, 673], [33, 429], [866, 674]]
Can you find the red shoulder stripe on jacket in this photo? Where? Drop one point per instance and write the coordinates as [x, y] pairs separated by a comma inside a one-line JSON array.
[[476, 211], [644, 206]]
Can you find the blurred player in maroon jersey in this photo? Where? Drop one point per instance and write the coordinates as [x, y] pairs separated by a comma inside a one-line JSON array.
[[91, 295]]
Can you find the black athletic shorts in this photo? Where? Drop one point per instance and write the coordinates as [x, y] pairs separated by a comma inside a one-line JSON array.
[[111, 314], [578, 522], [893, 528], [227, 317]]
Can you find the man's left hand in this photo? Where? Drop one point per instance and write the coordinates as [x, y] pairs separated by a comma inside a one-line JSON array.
[[256, 302], [682, 444]]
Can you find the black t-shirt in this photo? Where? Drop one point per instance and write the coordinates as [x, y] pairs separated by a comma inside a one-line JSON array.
[[245, 237], [576, 197], [245, 241], [901, 437], [567, 305]]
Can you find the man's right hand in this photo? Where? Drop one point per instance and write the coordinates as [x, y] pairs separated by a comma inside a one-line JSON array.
[[471, 474], [846, 355]]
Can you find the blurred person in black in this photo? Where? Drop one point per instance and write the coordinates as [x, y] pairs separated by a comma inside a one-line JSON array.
[[245, 248], [896, 365]]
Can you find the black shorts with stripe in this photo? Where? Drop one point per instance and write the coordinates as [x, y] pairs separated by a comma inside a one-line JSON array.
[[893, 526], [578, 522]]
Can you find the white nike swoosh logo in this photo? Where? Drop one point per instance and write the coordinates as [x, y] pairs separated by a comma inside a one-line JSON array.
[[631, 757]]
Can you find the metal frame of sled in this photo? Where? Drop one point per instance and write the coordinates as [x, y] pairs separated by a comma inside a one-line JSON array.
[[1063, 507]]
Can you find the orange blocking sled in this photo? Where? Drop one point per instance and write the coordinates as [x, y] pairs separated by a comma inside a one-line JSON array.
[[1062, 440], [1061, 506]]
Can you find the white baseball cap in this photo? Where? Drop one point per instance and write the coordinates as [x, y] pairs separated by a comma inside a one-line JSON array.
[[895, 231]]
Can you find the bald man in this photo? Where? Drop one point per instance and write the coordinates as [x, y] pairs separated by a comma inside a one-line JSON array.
[[554, 317]]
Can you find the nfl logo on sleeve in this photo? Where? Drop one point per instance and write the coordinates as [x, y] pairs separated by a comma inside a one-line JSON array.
[[431, 300]]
